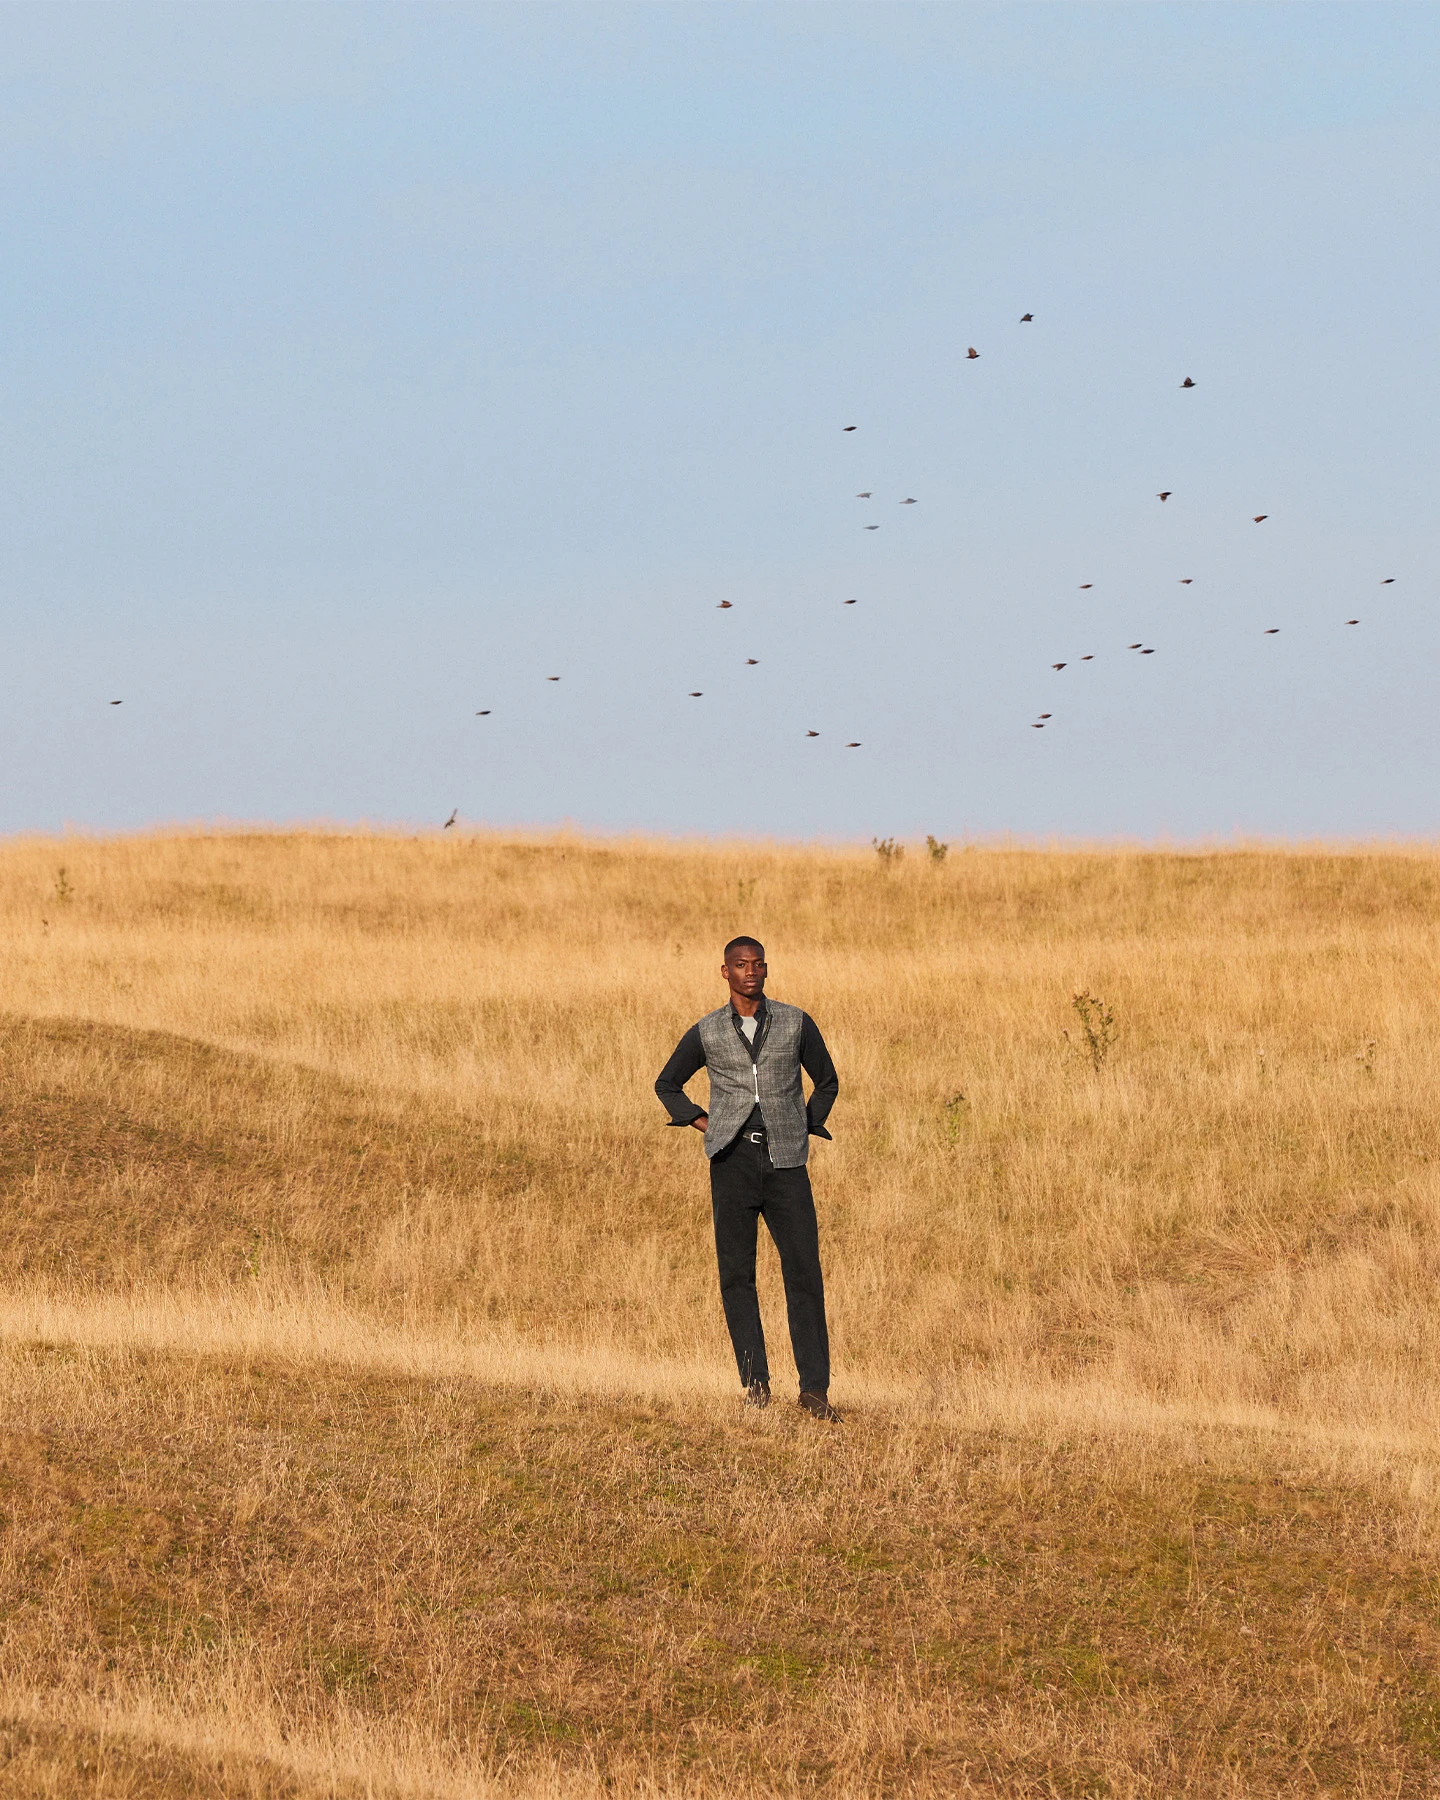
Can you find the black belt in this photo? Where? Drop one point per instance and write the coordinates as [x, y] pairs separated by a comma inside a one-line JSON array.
[[755, 1137]]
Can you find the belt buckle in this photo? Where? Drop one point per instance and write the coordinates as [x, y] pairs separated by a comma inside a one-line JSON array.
[[756, 1137]]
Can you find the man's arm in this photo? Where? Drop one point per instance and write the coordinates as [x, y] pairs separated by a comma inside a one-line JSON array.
[[815, 1061], [687, 1060]]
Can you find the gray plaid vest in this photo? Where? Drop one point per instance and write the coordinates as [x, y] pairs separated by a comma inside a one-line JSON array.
[[769, 1080]]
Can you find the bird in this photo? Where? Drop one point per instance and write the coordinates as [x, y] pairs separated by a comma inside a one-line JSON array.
[[1387, 581], [812, 734], [552, 677], [1087, 659], [847, 428], [1057, 665], [1272, 631], [847, 603], [852, 746], [117, 702], [1147, 652], [972, 354], [698, 696], [865, 496], [724, 606], [1086, 584], [909, 502], [1187, 580], [1043, 715], [1187, 382], [1260, 518], [1132, 646], [1039, 725], [1352, 621], [1166, 495], [451, 820], [1025, 318], [484, 713], [872, 527], [751, 661]]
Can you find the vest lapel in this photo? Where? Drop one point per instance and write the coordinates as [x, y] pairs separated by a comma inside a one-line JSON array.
[[761, 1030]]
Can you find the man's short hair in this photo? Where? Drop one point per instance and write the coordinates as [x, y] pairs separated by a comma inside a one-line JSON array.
[[746, 944]]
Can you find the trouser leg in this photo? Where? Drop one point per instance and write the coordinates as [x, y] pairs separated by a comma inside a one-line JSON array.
[[735, 1197], [789, 1210]]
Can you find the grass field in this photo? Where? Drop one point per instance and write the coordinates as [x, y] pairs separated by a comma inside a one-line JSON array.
[[369, 1425]]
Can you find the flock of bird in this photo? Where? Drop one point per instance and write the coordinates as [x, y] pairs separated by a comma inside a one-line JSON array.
[[1141, 648], [868, 494], [1042, 719]]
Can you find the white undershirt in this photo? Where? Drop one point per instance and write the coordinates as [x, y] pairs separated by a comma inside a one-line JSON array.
[[748, 1027]]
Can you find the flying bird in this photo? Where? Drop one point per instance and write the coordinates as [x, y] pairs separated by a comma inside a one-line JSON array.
[[1057, 665], [847, 427], [1042, 715], [1087, 659], [852, 746], [1132, 646], [1186, 580], [751, 661], [1260, 518], [972, 354], [1352, 621], [484, 713], [812, 734], [909, 502], [1272, 631], [847, 603], [1387, 581], [1187, 382], [552, 677], [872, 527], [724, 605], [1039, 725], [1025, 318], [117, 702], [698, 696], [1166, 495], [1147, 652], [1086, 584], [451, 820], [866, 496]]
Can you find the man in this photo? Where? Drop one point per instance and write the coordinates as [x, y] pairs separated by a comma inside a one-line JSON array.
[[757, 1136]]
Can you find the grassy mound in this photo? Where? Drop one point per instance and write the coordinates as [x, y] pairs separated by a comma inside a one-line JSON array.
[[369, 1424]]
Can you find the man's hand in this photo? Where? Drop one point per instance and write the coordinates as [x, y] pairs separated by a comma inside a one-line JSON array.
[[701, 1122]]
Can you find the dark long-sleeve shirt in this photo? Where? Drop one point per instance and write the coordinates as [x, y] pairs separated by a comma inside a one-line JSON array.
[[689, 1058]]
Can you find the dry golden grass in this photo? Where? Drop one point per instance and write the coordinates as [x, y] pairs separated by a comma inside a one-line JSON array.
[[369, 1421]]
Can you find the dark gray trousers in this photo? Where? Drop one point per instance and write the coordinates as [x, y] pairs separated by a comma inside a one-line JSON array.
[[745, 1186]]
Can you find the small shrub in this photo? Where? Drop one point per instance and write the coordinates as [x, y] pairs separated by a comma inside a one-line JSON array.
[[889, 850], [938, 851], [1097, 1028], [63, 890]]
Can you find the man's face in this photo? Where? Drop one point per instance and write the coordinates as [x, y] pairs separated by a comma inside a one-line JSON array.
[[745, 970]]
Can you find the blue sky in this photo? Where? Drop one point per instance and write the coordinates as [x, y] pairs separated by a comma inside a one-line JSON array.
[[362, 367]]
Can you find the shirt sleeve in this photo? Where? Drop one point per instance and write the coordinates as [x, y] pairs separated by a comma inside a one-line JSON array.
[[687, 1060], [815, 1061]]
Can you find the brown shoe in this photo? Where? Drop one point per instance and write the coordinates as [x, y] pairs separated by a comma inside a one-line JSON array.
[[819, 1407], [758, 1395]]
